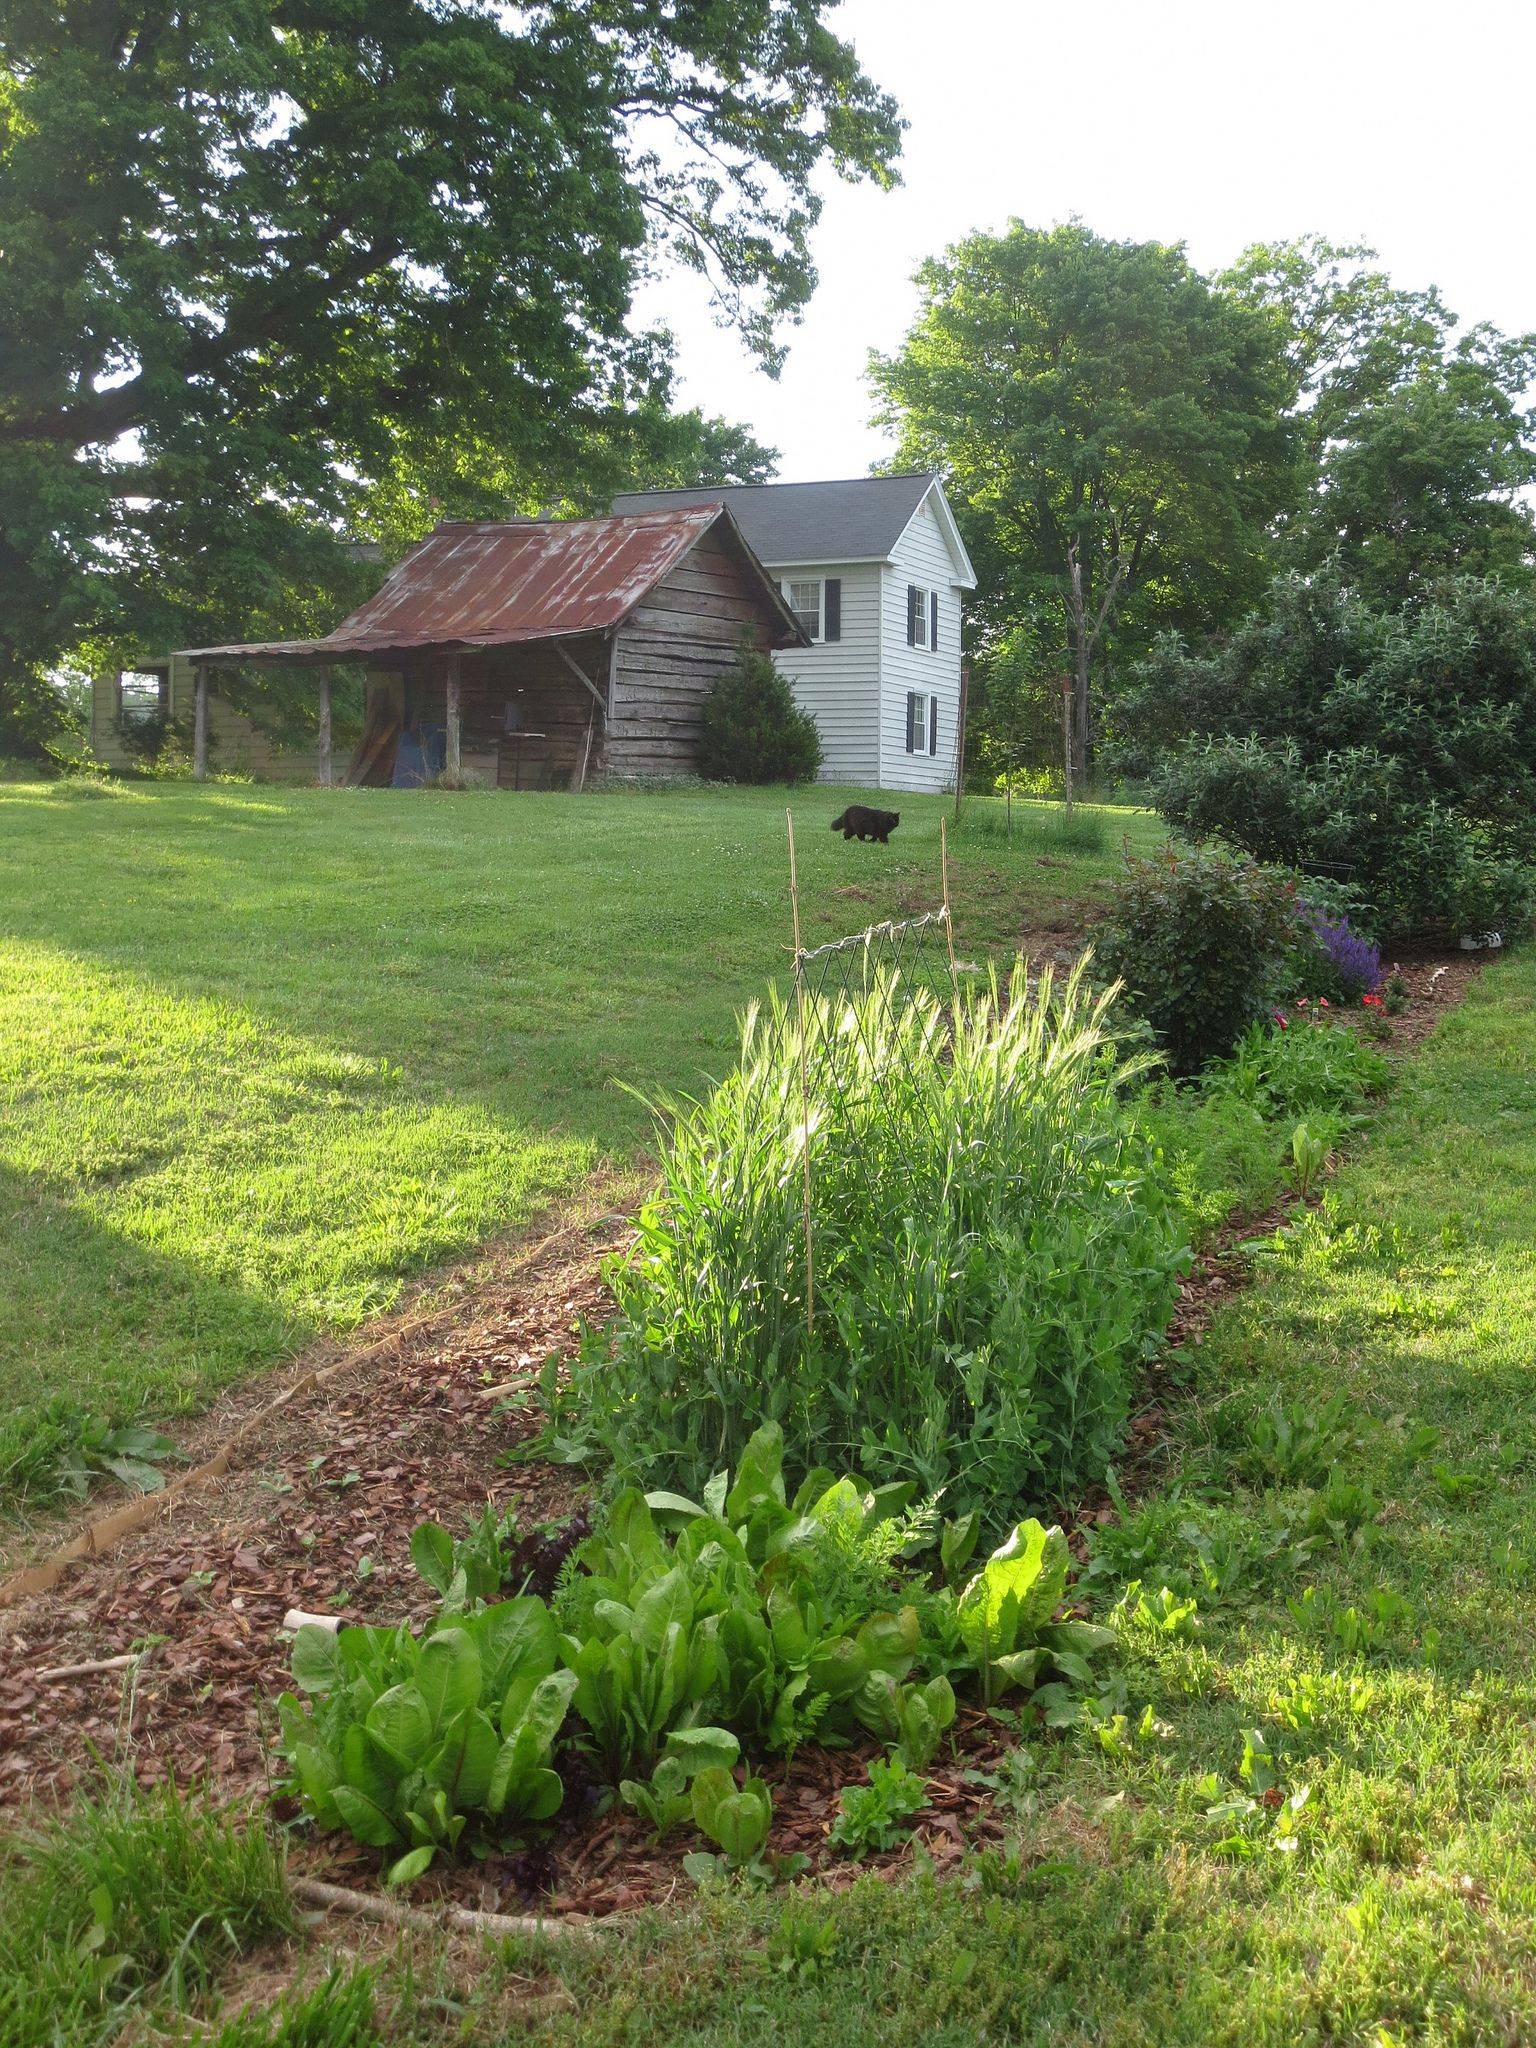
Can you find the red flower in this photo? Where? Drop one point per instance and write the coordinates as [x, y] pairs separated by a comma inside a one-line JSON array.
[[1322, 1002]]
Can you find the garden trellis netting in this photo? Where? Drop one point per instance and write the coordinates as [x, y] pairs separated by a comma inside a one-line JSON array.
[[918, 1226]]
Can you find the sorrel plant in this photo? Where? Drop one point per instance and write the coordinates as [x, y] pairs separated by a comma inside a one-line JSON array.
[[994, 1252]]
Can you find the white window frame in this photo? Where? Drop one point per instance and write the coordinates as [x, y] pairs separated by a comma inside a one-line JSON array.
[[790, 585], [923, 623], [929, 743]]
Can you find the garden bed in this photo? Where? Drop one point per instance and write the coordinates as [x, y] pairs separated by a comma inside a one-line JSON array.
[[319, 1517]]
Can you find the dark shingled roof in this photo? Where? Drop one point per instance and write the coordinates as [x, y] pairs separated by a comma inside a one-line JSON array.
[[859, 519]]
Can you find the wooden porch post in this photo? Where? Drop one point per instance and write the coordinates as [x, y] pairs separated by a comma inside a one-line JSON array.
[[324, 766], [454, 758], [200, 723]]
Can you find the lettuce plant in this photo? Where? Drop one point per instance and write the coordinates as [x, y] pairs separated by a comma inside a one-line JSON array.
[[407, 1742], [665, 1798], [874, 1815]]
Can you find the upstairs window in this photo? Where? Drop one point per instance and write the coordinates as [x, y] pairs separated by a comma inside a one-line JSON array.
[[807, 600], [922, 617]]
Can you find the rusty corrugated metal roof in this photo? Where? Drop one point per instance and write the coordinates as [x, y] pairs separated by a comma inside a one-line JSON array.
[[488, 583]]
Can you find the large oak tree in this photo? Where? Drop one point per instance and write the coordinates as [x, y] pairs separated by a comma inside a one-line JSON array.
[[263, 255]]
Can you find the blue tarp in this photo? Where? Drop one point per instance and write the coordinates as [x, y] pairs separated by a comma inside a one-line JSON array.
[[419, 756]]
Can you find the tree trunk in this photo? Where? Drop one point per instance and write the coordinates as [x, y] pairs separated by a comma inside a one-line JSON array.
[[1080, 639]]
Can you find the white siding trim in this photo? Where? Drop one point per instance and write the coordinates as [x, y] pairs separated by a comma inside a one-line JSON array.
[[924, 557], [936, 506], [838, 681]]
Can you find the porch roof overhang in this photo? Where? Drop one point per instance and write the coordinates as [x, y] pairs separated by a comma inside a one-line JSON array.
[[342, 646]]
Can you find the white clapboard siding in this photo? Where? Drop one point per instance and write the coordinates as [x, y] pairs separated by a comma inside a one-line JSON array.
[[838, 681], [921, 556]]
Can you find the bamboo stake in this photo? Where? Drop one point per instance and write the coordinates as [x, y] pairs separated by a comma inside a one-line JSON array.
[[949, 922], [805, 1083]]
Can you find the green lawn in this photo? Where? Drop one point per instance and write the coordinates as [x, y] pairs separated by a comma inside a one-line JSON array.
[[264, 1053]]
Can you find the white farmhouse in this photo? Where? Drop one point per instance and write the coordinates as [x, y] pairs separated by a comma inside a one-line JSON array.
[[876, 571]]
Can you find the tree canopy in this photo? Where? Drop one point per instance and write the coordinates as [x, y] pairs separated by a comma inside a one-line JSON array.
[[1418, 437], [1098, 403], [266, 256]]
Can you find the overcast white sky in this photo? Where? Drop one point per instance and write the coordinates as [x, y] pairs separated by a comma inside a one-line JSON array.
[[1212, 122]]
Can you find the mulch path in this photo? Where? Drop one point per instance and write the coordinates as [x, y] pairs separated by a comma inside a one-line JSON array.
[[318, 1515]]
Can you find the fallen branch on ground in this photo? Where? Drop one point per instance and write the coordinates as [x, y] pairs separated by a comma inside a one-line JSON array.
[[89, 1670], [336, 1898]]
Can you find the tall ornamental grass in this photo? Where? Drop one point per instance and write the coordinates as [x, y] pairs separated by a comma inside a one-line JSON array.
[[994, 1252]]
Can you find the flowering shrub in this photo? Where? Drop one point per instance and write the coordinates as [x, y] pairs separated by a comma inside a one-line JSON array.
[[1355, 962]]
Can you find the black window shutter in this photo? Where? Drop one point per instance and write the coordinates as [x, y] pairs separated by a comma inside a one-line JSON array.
[[832, 608], [933, 722], [914, 599], [933, 621], [912, 703]]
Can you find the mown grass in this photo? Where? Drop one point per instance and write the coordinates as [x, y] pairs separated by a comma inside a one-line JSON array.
[[265, 1053], [127, 1903]]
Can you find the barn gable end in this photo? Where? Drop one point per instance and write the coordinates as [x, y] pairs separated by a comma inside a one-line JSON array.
[[686, 633]]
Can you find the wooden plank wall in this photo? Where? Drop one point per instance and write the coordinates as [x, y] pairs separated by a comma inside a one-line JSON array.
[[673, 647], [552, 700]]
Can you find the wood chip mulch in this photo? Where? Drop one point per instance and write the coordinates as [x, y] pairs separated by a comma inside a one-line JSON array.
[[318, 1515]]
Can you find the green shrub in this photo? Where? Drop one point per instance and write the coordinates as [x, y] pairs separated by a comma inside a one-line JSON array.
[[994, 1255], [1201, 941], [1415, 863], [752, 730]]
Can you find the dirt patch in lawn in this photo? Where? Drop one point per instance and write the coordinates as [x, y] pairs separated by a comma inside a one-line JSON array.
[[318, 1515]]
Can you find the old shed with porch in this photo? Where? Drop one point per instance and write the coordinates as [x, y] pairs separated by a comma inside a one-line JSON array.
[[535, 653]]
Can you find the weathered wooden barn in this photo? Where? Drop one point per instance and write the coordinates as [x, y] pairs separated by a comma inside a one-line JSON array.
[[535, 653]]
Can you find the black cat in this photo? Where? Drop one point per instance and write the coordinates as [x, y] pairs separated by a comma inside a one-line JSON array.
[[860, 822]]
